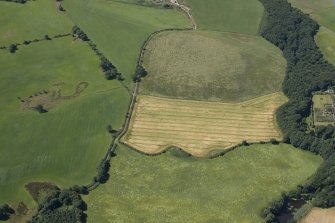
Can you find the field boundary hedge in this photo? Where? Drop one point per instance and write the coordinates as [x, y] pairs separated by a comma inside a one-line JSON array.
[[28, 42]]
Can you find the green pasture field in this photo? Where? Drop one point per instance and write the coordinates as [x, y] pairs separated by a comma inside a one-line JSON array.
[[30, 21], [119, 29], [326, 41], [66, 144], [323, 11], [326, 17], [310, 6], [242, 16], [211, 66], [175, 188]]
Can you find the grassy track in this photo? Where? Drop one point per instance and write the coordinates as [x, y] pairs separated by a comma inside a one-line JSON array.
[[64, 145], [326, 41], [201, 128], [169, 188], [29, 21], [211, 66], [242, 16], [120, 29]]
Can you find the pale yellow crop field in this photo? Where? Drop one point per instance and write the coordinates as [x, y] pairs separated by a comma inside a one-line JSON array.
[[201, 128], [318, 215]]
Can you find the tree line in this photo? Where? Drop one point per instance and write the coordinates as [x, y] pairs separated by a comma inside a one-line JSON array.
[[15, 1], [109, 70], [12, 48], [307, 71]]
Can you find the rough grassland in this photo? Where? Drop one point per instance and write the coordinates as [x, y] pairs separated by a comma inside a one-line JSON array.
[[119, 30], [64, 145], [35, 19], [318, 215], [242, 16], [211, 66], [322, 11], [168, 188], [201, 128], [326, 41]]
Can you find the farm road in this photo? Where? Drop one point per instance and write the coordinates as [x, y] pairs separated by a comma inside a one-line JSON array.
[[187, 10]]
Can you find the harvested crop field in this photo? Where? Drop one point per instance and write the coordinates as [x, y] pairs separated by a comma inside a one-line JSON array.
[[211, 66], [201, 128], [318, 215]]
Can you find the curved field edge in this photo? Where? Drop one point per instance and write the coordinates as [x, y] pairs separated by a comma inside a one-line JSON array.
[[172, 188], [122, 27], [201, 128], [211, 66]]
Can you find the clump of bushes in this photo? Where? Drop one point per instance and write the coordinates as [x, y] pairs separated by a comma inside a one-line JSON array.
[[47, 37], [5, 212], [61, 206], [103, 169], [109, 69], [12, 48], [140, 72], [40, 109], [79, 33]]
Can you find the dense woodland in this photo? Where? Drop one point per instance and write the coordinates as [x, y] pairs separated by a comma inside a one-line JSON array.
[[307, 71]]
